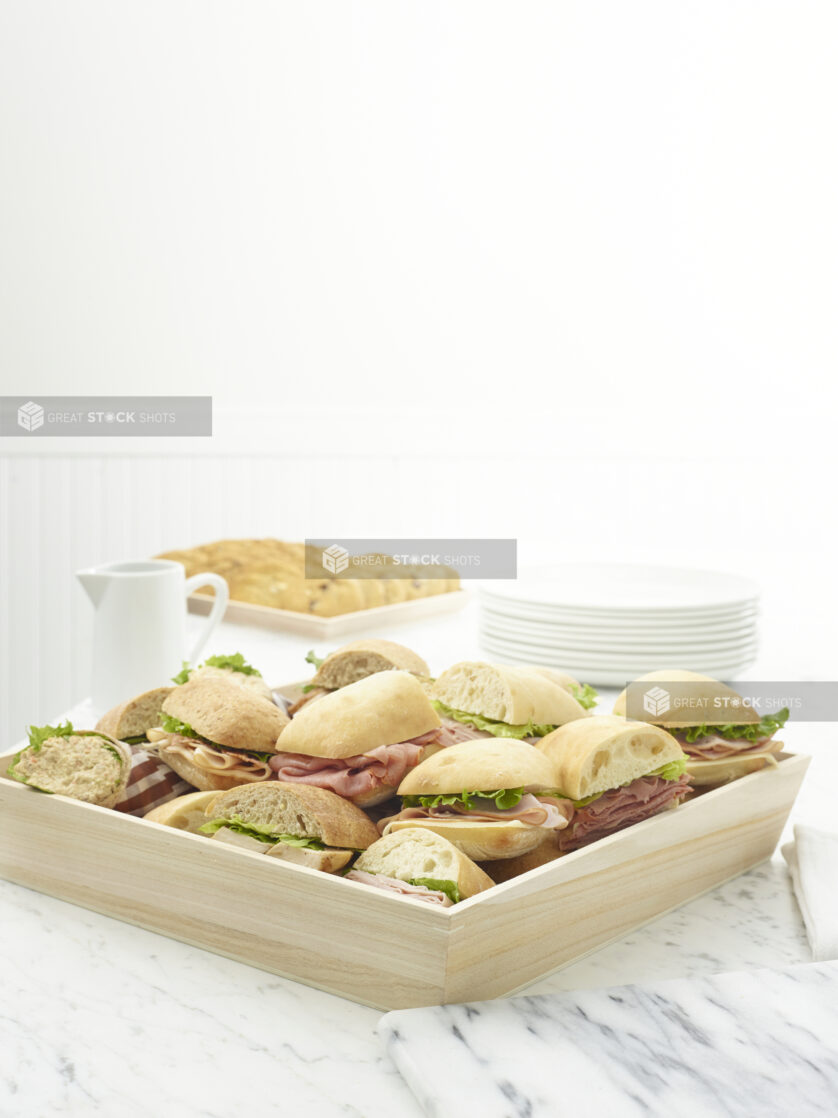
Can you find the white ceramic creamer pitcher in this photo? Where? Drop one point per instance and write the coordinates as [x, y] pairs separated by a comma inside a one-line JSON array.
[[139, 633]]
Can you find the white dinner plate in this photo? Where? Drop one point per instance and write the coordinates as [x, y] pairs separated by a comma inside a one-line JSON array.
[[606, 587]]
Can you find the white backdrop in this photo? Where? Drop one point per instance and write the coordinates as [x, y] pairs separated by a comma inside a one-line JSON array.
[[560, 271]]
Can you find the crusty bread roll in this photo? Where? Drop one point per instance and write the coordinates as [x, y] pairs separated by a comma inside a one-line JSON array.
[[360, 659], [248, 681], [480, 841], [382, 709], [485, 765], [415, 852], [603, 752], [514, 695], [86, 765], [186, 813], [296, 809], [731, 708], [504, 869], [226, 713], [327, 861], [135, 717], [710, 773]]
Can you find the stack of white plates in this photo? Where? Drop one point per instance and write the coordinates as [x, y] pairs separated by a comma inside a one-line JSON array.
[[608, 623]]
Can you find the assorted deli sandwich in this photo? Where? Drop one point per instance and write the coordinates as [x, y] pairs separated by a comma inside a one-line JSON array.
[[355, 661], [611, 773], [479, 700], [722, 735], [490, 798], [216, 733], [85, 764], [420, 865], [361, 740], [295, 822]]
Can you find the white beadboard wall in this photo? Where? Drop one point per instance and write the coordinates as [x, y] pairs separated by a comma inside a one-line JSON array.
[[62, 511]]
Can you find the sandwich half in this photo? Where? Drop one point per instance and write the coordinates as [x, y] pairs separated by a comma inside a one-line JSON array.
[[722, 736], [480, 700], [233, 668], [355, 661], [295, 822], [131, 720], [85, 764], [612, 773], [420, 865], [217, 734], [583, 693], [361, 740], [490, 798]]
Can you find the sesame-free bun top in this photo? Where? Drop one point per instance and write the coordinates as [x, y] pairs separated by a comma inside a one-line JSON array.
[[485, 765], [382, 709], [296, 809], [605, 752], [226, 713], [514, 695], [135, 717], [731, 709], [359, 659]]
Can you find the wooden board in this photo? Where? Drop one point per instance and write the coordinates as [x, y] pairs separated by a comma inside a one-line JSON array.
[[367, 945], [325, 628]]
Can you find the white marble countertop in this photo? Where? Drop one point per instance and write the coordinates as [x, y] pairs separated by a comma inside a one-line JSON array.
[[100, 1017]]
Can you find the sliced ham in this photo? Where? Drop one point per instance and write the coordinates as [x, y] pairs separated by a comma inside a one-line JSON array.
[[393, 885], [359, 775], [622, 807], [714, 748], [542, 811], [209, 759], [459, 731]]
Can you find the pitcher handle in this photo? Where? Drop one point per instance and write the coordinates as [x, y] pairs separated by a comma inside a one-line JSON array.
[[222, 595]]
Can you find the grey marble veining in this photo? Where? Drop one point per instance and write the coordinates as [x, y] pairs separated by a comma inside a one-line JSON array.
[[761, 1044]]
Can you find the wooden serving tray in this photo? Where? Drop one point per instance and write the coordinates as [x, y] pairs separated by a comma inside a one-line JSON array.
[[325, 628], [372, 947]]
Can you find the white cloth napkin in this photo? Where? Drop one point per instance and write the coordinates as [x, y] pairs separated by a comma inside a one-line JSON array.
[[813, 864]]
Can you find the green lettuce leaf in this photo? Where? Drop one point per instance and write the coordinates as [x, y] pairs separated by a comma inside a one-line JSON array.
[[503, 797], [235, 663], [263, 834], [751, 731], [175, 726], [313, 658], [670, 771], [498, 729], [39, 734], [449, 888], [183, 675], [585, 695]]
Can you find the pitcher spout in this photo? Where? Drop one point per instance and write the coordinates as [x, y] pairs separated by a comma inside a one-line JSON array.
[[94, 583]]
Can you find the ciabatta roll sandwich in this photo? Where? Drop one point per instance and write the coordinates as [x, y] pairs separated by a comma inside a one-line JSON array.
[[490, 798], [613, 773], [722, 735], [217, 734], [420, 865], [355, 661], [480, 700], [361, 740], [295, 822]]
